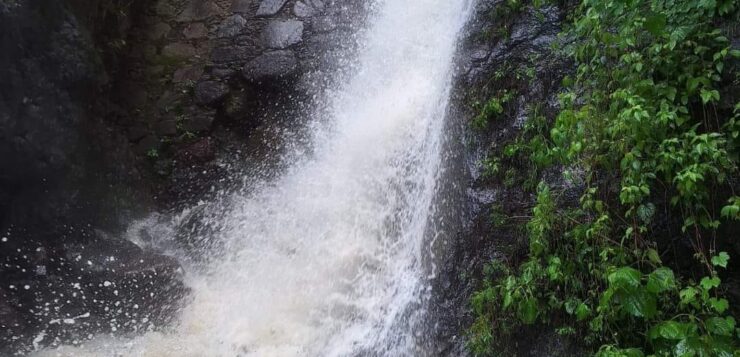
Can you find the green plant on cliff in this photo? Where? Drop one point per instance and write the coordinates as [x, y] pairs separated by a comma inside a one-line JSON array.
[[491, 109], [642, 115]]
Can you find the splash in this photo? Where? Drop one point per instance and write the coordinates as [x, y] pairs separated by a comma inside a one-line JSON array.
[[327, 259]]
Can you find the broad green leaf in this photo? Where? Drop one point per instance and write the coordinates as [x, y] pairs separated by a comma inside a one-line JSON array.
[[582, 312], [625, 277], [660, 280], [719, 305], [528, 311], [653, 256], [655, 24], [721, 326], [669, 330], [639, 303], [721, 259], [708, 283]]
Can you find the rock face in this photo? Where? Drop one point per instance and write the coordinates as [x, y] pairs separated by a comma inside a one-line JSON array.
[[270, 7], [63, 164], [490, 64], [210, 92], [270, 66], [280, 34], [99, 125], [232, 26]]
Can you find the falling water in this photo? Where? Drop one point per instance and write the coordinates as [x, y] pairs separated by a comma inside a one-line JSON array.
[[327, 259]]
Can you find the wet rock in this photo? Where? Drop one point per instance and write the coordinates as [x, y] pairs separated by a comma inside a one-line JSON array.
[[199, 122], [242, 6], [270, 66], [135, 133], [165, 8], [229, 54], [159, 31], [195, 31], [270, 7], [198, 10], [324, 24], [232, 26], [301, 9], [189, 73], [235, 106], [317, 5], [178, 51], [118, 280], [146, 145], [280, 34], [201, 151], [223, 72], [166, 128], [11, 321], [210, 92]]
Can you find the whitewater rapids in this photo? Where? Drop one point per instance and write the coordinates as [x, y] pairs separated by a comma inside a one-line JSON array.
[[327, 259]]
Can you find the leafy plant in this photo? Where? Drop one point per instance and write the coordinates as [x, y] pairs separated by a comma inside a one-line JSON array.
[[640, 115]]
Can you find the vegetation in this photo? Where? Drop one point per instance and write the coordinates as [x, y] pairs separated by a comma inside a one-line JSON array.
[[642, 122]]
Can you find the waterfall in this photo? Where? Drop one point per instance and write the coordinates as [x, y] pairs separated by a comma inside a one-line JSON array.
[[327, 258]]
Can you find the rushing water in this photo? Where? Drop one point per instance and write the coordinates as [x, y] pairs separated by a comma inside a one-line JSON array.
[[327, 259]]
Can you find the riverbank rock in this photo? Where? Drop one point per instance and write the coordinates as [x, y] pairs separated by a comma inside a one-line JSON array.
[[280, 34], [270, 66], [270, 7]]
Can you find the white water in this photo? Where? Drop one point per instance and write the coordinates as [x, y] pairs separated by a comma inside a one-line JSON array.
[[327, 259]]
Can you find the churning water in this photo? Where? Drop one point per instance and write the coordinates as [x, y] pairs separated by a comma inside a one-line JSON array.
[[327, 259]]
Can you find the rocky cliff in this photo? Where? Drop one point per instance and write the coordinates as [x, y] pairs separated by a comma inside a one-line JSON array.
[[112, 109]]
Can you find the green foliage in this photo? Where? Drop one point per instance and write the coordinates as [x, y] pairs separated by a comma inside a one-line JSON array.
[[641, 115], [492, 108]]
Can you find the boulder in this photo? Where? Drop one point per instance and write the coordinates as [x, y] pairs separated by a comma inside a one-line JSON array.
[[301, 9], [229, 54], [198, 10], [232, 26], [271, 65], [242, 6], [280, 34], [210, 92], [323, 24], [166, 128], [195, 30], [178, 51], [270, 7], [199, 122], [189, 73]]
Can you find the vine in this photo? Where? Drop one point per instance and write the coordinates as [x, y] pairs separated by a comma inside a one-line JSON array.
[[642, 114]]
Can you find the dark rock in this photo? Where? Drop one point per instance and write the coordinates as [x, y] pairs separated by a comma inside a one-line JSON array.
[[235, 106], [302, 10], [166, 127], [199, 122], [201, 151], [242, 6], [159, 31], [270, 7], [281, 34], [195, 31], [198, 10], [323, 24], [165, 8], [229, 54], [270, 66], [146, 145], [189, 73], [178, 51], [137, 132], [223, 72], [232, 26], [210, 92]]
